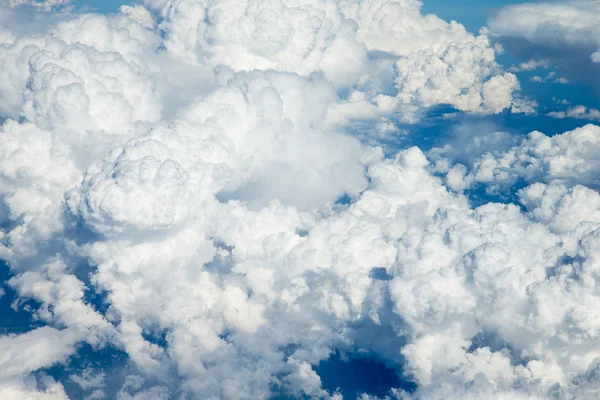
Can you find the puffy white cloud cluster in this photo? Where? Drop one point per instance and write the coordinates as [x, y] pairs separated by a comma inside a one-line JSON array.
[[569, 159], [396, 58], [213, 237], [487, 295], [86, 87], [439, 63], [251, 140]]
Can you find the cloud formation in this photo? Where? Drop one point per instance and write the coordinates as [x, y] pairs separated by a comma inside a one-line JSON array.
[[372, 45], [180, 183], [565, 32], [558, 25]]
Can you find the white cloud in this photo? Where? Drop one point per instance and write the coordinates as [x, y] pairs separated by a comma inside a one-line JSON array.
[[569, 158], [89, 380], [46, 5], [563, 33], [560, 24], [33, 350], [578, 112], [44, 388], [15, 54], [439, 62], [253, 140], [301, 37], [454, 276], [368, 43], [549, 78], [531, 65], [226, 265], [84, 87]]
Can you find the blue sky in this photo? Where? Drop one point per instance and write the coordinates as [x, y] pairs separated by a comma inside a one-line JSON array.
[[473, 14], [102, 6]]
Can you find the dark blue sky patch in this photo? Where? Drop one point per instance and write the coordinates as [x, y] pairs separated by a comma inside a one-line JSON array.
[[156, 336], [98, 300], [380, 273], [344, 199], [110, 361], [481, 194], [14, 321], [355, 375]]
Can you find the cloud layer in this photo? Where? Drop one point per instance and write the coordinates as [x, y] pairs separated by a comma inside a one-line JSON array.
[[181, 183]]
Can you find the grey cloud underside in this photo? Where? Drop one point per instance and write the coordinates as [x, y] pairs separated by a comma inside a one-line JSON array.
[[183, 161]]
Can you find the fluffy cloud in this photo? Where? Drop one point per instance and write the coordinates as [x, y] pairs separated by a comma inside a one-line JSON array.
[[85, 87], [367, 44], [45, 388], [300, 36], [229, 244], [252, 140], [569, 158], [563, 32], [15, 58], [463, 305], [34, 350], [562, 24], [438, 62]]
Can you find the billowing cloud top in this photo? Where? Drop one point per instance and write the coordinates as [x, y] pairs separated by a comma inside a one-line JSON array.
[[183, 187]]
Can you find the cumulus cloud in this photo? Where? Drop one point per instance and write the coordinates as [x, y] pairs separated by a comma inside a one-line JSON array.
[[110, 95], [578, 112], [563, 32], [568, 159], [179, 183], [568, 23], [367, 44]]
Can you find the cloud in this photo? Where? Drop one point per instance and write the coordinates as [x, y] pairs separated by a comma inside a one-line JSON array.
[[439, 62], [228, 143], [264, 35], [531, 65], [430, 61], [444, 304], [564, 33], [568, 159], [45, 388], [111, 99], [548, 78], [180, 183], [88, 380], [45, 5], [578, 112], [15, 57], [33, 350], [570, 23]]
